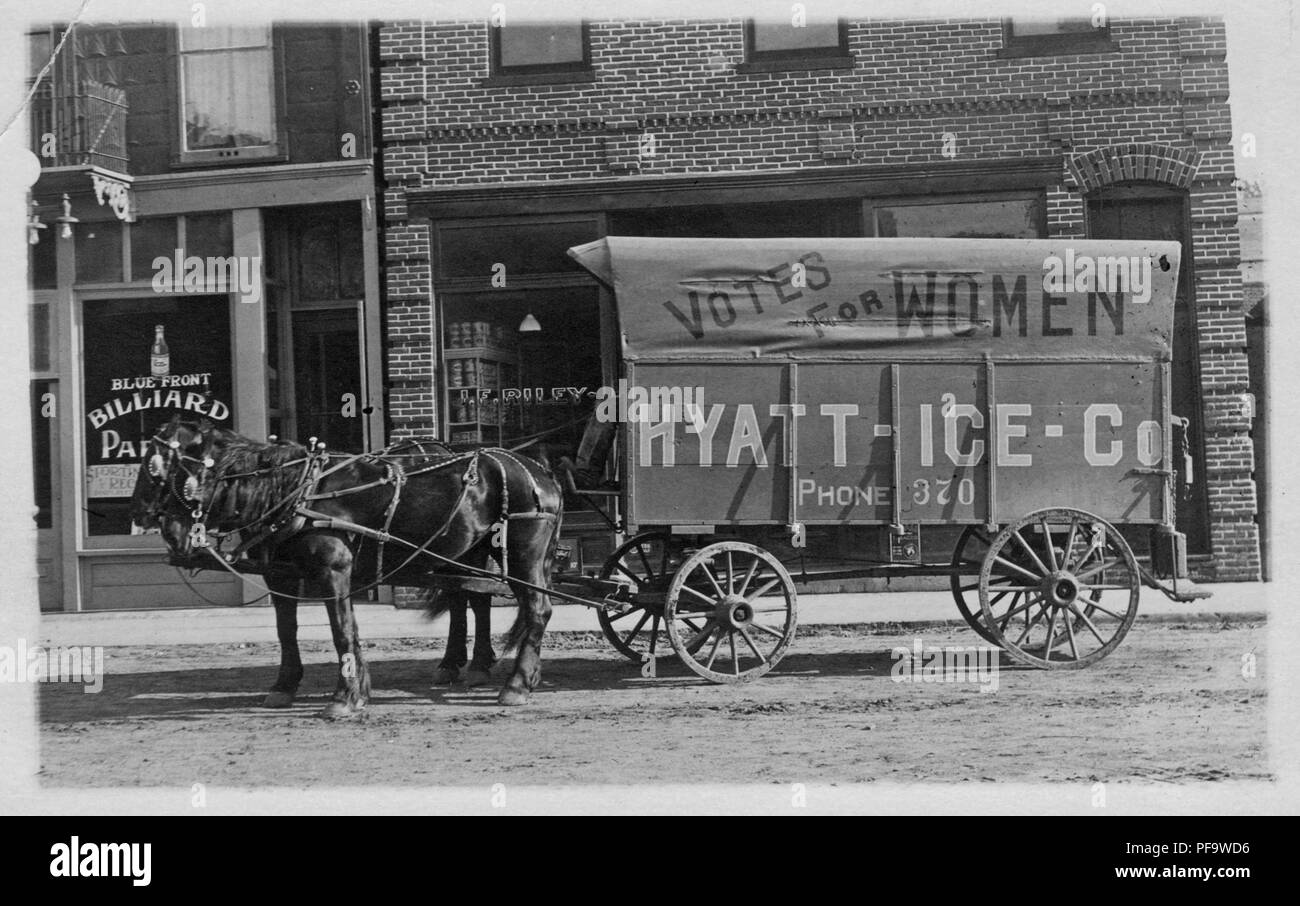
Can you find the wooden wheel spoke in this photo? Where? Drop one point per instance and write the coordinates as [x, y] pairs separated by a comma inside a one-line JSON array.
[[713, 580], [640, 552], [712, 602], [1093, 605], [713, 652], [1047, 542], [628, 613], [1069, 632], [1009, 565], [1069, 545], [1087, 622], [627, 572], [1043, 570], [735, 662], [744, 633], [1105, 565], [731, 575], [1011, 612], [1030, 624], [749, 574], [701, 636], [763, 590], [1051, 635], [627, 639], [768, 629]]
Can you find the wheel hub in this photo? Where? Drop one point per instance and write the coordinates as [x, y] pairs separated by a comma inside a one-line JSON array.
[[733, 611], [1061, 589]]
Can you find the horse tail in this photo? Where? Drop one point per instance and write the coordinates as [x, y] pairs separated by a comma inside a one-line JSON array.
[[436, 602]]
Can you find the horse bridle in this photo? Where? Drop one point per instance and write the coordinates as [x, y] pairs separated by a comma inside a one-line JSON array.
[[162, 471]]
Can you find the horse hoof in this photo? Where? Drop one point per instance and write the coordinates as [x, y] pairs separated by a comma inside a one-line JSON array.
[[277, 699], [341, 711], [512, 697], [445, 676], [478, 678]]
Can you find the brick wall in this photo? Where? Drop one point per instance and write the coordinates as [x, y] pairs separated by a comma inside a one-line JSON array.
[[920, 92]]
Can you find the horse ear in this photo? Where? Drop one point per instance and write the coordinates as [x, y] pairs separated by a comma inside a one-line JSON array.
[[206, 426]]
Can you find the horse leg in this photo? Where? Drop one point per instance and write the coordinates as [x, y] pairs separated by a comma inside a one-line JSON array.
[[484, 657], [335, 580], [531, 555], [283, 592], [449, 670]]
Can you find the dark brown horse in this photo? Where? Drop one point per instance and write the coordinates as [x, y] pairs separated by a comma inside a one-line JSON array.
[[304, 517]]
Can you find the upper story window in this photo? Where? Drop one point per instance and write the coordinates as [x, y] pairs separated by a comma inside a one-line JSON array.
[[1048, 37], [538, 53], [228, 95], [783, 44]]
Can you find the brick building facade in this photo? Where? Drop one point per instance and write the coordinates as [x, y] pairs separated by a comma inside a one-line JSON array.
[[951, 127]]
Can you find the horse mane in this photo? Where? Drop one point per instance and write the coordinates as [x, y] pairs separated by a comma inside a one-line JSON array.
[[277, 473]]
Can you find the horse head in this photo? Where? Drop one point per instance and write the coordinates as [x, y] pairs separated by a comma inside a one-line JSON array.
[[170, 487]]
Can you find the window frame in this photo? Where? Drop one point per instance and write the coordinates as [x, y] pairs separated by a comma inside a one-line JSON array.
[[797, 58], [276, 152], [1096, 41], [870, 205], [538, 73]]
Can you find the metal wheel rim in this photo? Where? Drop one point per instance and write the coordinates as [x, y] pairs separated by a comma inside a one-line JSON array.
[[731, 639], [1095, 565]]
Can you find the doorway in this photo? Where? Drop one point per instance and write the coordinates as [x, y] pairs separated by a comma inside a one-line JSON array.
[[1135, 212]]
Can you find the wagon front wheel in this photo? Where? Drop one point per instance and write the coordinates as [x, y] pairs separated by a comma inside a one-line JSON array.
[[647, 562], [731, 612], [1074, 589]]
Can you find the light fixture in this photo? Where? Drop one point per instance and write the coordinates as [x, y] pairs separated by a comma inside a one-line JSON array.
[[67, 219], [34, 225], [529, 324]]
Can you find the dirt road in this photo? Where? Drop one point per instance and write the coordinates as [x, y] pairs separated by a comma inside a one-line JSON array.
[[1170, 704]]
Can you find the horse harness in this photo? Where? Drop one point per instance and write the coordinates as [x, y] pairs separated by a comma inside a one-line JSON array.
[[295, 512]]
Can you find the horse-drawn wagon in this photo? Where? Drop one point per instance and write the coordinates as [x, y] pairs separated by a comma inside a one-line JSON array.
[[1012, 397]]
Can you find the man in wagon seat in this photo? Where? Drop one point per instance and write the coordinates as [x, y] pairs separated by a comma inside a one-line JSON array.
[[586, 472]]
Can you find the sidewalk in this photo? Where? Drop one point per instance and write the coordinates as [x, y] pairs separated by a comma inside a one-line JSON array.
[[257, 623]]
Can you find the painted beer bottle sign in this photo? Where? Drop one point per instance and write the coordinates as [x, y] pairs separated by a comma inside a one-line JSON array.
[[159, 356]]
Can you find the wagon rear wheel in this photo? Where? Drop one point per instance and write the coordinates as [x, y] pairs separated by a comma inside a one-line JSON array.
[[967, 560], [1074, 593], [648, 561], [731, 612], [969, 555]]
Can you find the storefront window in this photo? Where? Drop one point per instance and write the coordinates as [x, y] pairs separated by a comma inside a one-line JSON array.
[[146, 360], [1014, 218]]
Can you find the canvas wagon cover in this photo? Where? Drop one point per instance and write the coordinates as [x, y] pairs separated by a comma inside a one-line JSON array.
[[893, 298]]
